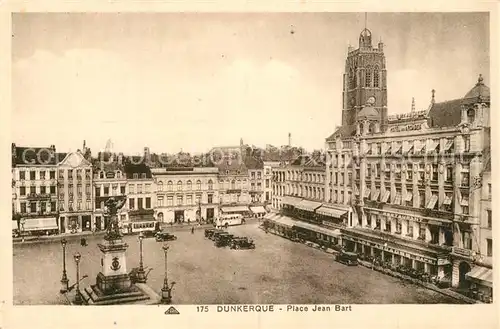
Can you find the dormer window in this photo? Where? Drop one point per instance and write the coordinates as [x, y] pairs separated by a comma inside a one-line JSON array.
[[135, 176], [101, 174], [118, 174], [470, 116]]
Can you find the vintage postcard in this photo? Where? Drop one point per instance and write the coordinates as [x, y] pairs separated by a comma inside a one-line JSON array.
[[265, 168]]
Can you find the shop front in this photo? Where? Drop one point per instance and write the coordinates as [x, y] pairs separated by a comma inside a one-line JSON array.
[[481, 283], [258, 211], [39, 226]]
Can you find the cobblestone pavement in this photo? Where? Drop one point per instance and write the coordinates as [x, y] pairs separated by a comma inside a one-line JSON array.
[[278, 271]]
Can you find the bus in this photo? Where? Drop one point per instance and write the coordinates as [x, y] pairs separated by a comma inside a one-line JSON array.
[[226, 220], [136, 227]]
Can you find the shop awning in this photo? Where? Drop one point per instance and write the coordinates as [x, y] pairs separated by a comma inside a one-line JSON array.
[[337, 213], [318, 229], [386, 196], [308, 205], [38, 224], [258, 210], [14, 225], [432, 201], [235, 209], [283, 220], [271, 215], [291, 200], [482, 275]]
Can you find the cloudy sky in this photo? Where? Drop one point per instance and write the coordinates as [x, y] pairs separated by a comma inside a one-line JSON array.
[[193, 81]]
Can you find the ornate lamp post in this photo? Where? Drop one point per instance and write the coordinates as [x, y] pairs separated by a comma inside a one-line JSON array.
[[141, 275], [78, 296], [166, 291], [64, 280]]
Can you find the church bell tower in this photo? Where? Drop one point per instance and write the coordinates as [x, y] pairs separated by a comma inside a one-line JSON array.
[[365, 80]]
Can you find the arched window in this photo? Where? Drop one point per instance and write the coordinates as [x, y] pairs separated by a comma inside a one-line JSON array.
[[376, 77], [189, 185], [169, 185], [233, 185], [179, 186], [198, 184], [470, 116], [160, 217], [118, 174], [238, 184], [371, 128], [160, 186], [352, 79], [368, 77], [210, 185], [101, 174]]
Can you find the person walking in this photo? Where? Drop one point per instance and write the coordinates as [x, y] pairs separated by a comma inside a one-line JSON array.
[[192, 230]]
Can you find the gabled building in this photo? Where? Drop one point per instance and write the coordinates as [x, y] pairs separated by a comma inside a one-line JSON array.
[[74, 179]]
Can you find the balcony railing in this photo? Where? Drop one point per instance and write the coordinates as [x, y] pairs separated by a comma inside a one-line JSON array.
[[39, 196]]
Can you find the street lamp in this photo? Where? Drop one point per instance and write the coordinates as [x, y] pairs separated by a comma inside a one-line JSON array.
[[141, 275], [64, 280], [166, 291], [78, 296]]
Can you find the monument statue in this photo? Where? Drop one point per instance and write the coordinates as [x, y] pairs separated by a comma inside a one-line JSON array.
[[111, 207]]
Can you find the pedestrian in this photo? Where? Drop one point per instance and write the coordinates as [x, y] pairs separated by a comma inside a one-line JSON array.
[[192, 230], [83, 242]]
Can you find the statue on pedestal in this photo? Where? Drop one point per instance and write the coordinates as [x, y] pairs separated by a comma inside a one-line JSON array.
[[111, 207]]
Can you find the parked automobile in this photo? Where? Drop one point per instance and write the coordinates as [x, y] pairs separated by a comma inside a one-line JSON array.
[[216, 234], [223, 240], [242, 243], [165, 236], [209, 232], [149, 234], [347, 258]]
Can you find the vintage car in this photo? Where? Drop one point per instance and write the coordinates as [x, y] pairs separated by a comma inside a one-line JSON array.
[[347, 258], [223, 240], [149, 234], [209, 232], [216, 234], [242, 243], [164, 236]]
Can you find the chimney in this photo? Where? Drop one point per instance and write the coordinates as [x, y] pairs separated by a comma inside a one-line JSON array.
[[433, 100], [289, 139], [53, 148]]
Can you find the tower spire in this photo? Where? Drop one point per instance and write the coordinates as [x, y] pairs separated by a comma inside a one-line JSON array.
[[366, 18], [413, 104]]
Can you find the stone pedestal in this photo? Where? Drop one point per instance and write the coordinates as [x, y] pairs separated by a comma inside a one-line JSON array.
[[113, 284]]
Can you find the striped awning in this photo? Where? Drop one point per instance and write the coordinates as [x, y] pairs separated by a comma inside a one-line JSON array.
[[318, 229], [337, 213], [308, 205], [40, 224], [291, 200], [481, 275], [258, 210]]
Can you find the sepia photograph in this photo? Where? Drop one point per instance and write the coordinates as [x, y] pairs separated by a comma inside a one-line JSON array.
[[286, 162]]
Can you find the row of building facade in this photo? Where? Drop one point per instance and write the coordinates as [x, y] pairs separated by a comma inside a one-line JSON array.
[[66, 192], [412, 189]]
